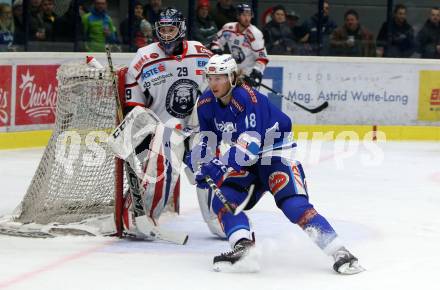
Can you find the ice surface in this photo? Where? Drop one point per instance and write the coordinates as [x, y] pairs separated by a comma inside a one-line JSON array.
[[388, 214]]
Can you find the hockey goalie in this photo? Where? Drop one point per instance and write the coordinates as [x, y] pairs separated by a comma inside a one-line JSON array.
[[162, 84]]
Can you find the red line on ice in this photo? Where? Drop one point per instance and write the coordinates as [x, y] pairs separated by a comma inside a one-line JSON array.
[[55, 264]]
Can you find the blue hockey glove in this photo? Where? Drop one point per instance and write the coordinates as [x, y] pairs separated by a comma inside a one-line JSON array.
[[214, 169], [194, 158], [255, 78]]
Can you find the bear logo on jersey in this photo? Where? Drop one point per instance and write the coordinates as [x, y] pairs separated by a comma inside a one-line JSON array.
[[237, 54], [181, 98]]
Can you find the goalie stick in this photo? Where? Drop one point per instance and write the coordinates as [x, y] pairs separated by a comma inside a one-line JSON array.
[[310, 110], [143, 224]]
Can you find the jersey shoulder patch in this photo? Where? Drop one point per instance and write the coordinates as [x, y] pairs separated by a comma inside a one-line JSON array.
[[195, 47], [249, 91], [145, 55], [204, 101], [230, 26]]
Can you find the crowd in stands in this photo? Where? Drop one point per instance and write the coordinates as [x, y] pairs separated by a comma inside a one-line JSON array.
[[283, 31]]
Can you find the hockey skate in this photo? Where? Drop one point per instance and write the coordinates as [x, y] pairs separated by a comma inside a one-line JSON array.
[[242, 259], [346, 263]]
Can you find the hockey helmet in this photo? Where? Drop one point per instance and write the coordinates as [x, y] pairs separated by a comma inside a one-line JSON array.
[[243, 7], [170, 29], [223, 65]]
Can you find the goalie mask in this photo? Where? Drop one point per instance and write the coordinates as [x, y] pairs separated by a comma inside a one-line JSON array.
[[170, 29]]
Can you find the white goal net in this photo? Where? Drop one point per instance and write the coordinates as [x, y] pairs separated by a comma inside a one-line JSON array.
[[78, 177]]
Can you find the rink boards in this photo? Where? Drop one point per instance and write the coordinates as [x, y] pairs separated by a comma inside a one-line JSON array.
[[399, 97]]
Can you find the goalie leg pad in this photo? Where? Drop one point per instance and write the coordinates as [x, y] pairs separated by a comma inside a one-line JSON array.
[[162, 171], [204, 196]]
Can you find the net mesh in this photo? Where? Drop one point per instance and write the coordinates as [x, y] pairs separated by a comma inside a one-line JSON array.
[[75, 179]]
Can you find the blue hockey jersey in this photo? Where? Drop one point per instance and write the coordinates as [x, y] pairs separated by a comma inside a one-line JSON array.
[[249, 123]]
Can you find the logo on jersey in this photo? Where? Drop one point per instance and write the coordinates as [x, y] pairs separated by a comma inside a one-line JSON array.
[[150, 71], [201, 62], [237, 54], [251, 93], [142, 60], [225, 127], [202, 49], [204, 102], [277, 181], [181, 98], [154, 55]]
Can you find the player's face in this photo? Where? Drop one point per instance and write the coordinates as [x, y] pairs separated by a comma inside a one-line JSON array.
[[219, 84], [245, 18], [168, 32]]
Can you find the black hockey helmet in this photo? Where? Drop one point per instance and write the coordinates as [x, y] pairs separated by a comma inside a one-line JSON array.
[[170, 29], [243, 7]]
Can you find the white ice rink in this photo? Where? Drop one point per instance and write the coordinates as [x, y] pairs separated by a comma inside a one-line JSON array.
[[388, 214]]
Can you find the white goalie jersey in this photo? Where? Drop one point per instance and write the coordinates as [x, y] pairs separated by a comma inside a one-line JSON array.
[[246, 47], [168, 85]]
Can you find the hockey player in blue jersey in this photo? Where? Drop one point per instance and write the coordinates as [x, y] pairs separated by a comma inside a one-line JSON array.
[[244, 141]]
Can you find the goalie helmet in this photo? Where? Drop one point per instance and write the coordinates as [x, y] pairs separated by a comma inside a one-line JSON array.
[[170, 29]]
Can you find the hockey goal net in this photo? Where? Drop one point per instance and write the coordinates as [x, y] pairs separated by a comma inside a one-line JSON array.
[[78, 178]]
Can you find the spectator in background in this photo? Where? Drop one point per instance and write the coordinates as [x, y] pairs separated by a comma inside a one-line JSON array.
[[277, 33], [141, 37], [36, 27], [6, 27], [429, 36], [152, 10], [65, 25], [402, 36], [49, 17], [17, 11], [352, 39], [204, 26], [98, 27], [224, 12], [311, 28]]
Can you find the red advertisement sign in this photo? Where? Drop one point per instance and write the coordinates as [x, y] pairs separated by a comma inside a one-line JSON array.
[[5, 94], [36, 94], [435, 97]]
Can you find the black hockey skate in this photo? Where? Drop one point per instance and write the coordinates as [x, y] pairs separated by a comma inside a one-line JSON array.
[[240, 259], [346, 263]]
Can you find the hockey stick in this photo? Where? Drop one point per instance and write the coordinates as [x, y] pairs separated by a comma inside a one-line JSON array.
[[235, 210], [142, 220], [310, 110]]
